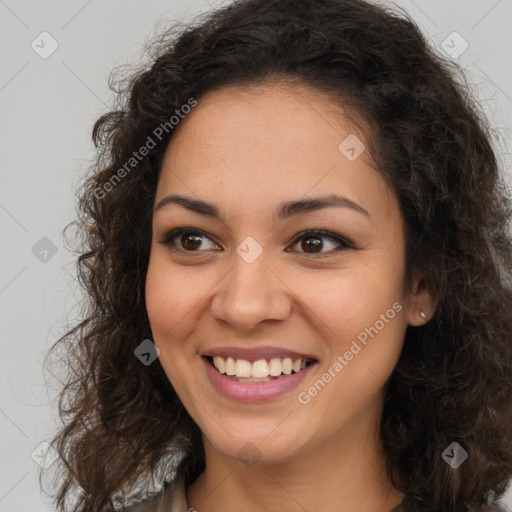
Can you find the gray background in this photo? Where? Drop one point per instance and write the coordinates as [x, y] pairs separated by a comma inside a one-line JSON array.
[[48, 107]]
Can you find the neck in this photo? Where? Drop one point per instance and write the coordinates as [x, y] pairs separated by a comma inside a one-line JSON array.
[[346, 474]]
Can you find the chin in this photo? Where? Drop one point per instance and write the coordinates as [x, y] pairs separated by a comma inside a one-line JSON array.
[[256, 450]]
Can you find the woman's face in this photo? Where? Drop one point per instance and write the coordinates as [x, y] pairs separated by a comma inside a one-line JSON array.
[[247, 284]]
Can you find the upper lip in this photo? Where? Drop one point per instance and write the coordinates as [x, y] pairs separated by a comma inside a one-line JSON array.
[[256, 353]]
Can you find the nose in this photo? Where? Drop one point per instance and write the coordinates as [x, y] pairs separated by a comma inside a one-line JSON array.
[[250, 294]]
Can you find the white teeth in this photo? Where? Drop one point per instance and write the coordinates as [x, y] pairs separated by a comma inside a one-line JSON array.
[[219, 364], [243, 368], [253, 379], [287, 365], [274, 368], [229, 366], [261, 370]]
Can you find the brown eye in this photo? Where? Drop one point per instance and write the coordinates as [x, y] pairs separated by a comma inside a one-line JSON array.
[[190, 242], [187, 240], [312, 242]]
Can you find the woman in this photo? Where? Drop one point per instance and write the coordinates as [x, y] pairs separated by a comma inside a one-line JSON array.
[[299, 275]]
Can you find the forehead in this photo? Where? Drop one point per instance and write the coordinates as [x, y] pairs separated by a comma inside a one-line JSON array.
[[268, 143], [278, 115]]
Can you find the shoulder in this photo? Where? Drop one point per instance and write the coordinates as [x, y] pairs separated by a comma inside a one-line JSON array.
[[494, 507], [150, 505], [171, 498]]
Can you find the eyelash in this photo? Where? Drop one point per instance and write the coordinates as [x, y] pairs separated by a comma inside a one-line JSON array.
[[168, 238]]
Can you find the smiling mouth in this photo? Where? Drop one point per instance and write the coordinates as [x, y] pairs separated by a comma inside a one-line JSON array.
[[262, 370]]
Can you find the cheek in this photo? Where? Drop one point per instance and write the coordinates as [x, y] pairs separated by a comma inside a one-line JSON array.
[[162, 302], [156, 297], [348, 301], [174, 295], [166, 310]]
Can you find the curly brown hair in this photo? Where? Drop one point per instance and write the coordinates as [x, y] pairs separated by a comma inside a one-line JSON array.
[[124, 427]]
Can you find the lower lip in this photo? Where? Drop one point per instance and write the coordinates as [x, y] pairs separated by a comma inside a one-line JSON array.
[[254, 391]]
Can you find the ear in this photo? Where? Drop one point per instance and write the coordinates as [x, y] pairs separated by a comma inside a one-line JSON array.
[[421, 303]]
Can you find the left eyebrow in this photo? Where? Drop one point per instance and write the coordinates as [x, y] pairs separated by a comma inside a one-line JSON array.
[[284, 210], [303, 206]]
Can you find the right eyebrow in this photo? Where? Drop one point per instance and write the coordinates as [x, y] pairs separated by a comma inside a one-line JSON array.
[[284, 210]]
